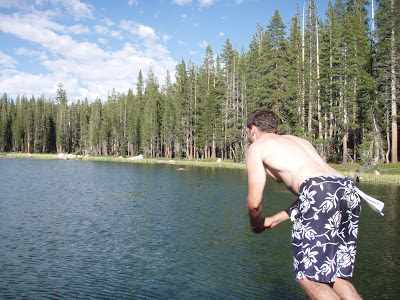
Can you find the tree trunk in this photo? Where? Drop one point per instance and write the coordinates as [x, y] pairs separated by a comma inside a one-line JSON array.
[[346, 132], [393, 88], [319, 91], [303, 89]]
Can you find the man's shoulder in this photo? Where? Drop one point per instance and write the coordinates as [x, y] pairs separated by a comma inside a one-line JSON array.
[[275, 144], [273, 140]]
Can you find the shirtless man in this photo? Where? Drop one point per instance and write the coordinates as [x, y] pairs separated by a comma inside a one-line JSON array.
[[325, 215]]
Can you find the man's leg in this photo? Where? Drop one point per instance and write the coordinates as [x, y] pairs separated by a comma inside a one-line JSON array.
[[317, 290], [345, 289], [341, 289]]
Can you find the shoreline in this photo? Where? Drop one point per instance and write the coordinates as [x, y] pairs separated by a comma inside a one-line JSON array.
[[355, 172]]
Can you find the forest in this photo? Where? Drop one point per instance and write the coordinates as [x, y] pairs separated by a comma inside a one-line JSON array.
[[331, 80]]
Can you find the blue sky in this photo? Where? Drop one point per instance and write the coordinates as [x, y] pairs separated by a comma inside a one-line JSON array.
[[93, 46]]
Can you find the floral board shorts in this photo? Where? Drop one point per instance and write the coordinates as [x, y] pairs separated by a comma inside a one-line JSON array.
[[325, 229]]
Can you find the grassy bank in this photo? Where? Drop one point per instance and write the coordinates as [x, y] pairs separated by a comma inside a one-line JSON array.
[[381, 173], [388, 173], [178, 162]]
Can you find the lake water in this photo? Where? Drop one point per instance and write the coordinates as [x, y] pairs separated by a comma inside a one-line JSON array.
[[92, 230]]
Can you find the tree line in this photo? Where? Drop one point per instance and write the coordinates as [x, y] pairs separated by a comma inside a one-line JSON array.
[[331, 81]]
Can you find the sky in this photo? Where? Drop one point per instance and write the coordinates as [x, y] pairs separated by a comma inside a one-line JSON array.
[[95, 46]]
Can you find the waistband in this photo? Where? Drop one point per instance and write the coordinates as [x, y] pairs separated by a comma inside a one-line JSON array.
[[320, 179], [375, 204]]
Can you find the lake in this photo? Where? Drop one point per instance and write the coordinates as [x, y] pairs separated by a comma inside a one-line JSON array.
[[97, 230]]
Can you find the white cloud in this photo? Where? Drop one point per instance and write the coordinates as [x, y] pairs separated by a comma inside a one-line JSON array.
[[31, 53], [78, 29], [77, 8], [147, 32], [140, 30], [166, 38], [102, 40], [206, 3], [108, 22], [29, 28], [6, 3], [116, 34], [221, 34], [203, 44], [132, 2], [21, 4], [101, 29], [32, 84], [7, 61], [202, 3], [84, 68], [181, 2]]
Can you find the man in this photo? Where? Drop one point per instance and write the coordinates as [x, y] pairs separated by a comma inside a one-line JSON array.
[[325, 215]]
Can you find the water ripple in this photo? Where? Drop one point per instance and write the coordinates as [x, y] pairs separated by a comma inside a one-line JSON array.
[[82, 230]]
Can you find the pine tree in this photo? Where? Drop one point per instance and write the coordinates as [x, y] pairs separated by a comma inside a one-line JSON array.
[[387, 56], [205, 83], [95, 126], [138, 147], [39, 125], [181, 106], [168, 134], [192, 110], [230, 113], [242, 108], [330, 58], [5, 124], [28, 123], [17, 127], [51, 116], [293, 109], [132, 123], [253, 78], [358, 85], [150, 127], [311, 65], [278, 44], [62, 119], [84, 118]]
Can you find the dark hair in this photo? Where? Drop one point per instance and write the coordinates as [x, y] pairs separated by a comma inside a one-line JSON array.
[[265, 119]]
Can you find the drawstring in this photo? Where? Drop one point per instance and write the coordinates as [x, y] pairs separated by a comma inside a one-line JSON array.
[[375, 204]]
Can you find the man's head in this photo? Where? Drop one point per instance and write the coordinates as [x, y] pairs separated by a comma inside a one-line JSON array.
[[264, 119]]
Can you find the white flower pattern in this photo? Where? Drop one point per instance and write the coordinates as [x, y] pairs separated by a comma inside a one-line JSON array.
[[325, 229], [306, 201], [309, 258], [334, 223]]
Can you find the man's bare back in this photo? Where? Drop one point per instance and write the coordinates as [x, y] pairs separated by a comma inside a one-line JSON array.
[[295, 160]]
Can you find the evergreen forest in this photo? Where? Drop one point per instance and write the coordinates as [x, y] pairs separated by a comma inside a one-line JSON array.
[[331, 80]]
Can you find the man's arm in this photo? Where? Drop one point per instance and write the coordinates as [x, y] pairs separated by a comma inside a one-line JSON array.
[[256, 181], [280, 217], [271, 222]]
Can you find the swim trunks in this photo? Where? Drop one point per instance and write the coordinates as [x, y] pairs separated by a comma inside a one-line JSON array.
[[325, 229]]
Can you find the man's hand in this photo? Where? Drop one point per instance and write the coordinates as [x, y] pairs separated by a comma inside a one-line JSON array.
[[271, 222], [258, 226]]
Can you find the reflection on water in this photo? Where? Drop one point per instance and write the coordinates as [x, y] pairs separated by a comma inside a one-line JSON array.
[[104, 230], [378, 252]]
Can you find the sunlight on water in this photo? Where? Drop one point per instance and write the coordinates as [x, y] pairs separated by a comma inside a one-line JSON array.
[[104, 230]]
